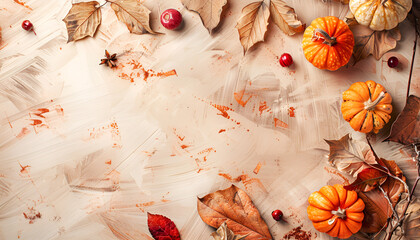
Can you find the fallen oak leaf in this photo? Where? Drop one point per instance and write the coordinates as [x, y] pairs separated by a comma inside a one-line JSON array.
[[82, 20], [367, 180], [252, 24], [224, 233], [350, 156], [208, 10], [162, 228], [285, 17], [377, 43], [406, 129], [133, 14], [233, 206], [410, 228]]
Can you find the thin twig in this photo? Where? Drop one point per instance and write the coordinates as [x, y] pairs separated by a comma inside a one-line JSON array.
[[389, 202], [412, 59]]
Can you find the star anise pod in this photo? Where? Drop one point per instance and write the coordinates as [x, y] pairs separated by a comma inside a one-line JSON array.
[[110, 60]]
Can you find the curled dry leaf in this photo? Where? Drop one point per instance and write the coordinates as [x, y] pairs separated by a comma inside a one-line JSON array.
[[285, 17], [233, 206], [369, 42], [162, 227], [350, 156], [133, 14], [367, 180], [224, 233], [411, 226], [209, 11], [82, 20], [341, 1], [252, 24], [406, 129]]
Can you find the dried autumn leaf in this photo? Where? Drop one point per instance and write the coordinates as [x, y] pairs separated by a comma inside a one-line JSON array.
[[82, 20], [341, 1], [285, 17], [377, 211], [209, 11], [133, 14], [367, 180], [162, 227], [377, 43], [393, 187], [350, 156], [406, 129], [350, 19], [252, 24], [411, 226], [233, 206], [224, 233]]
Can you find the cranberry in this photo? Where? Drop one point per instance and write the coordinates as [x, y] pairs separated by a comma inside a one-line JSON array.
[[393, 62], [277, 215], [286, 60], [28, 26], [171, 19]]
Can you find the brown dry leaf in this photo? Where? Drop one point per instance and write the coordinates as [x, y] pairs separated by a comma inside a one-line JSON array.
[[411, 224], [224, 233], [367, 180], [209, 11], [82, 20], [406, 129], [393, 187], [133, 14], [350, 19], [341, 1], [350, 156], [377, 211], [377, 43], [252, 24], [285, 17], [233, 206]]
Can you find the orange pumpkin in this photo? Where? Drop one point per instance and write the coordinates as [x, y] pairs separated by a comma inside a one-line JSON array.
[[328, 43], [336, 211], [367, 106]]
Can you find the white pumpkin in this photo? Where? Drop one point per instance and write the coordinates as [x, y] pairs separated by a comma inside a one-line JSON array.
[[380, 14]]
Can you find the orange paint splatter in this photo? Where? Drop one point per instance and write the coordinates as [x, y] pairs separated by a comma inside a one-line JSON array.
[[239, 98], [137, 70], [109, 162], [226, 176], [31, 215], [245, 179], [257, 168], [222, 130], [112, 129], [179, 136], [223, 110], [292, 112], [263, 107], [23, 4], [23, 169], [141, 206], [184, 146], [25, 131], [280, 123]]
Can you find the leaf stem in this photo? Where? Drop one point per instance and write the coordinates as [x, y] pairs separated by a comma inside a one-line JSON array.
[[412, 59]]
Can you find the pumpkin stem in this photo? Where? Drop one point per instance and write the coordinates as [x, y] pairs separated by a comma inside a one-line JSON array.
[[370, 105], [341, 213], [321, 34]]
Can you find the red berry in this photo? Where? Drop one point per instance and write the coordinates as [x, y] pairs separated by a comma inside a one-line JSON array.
[[277, 215], [286, 60], [393, 62], [28, 26], [171, 19]]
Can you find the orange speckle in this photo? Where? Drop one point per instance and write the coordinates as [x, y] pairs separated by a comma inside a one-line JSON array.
[[239, 98], [109, 162], [292, 112], [263, 106], [223, 110], [23, 168], [257, 168], [280, 123], [184, 146], [222, 130], [141, 206]]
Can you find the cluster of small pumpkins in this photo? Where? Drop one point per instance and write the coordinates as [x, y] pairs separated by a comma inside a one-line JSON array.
[[328, 44]]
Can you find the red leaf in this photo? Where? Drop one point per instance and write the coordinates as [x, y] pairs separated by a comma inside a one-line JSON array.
[[162, 228], [367, 180]]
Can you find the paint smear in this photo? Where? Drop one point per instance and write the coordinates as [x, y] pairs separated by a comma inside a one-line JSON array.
[[257, 168], [335, 172], [280, 123], [263, 107], [23, 169], [136, 70], [142, 206], [245, 179], [292, 112], [222, 130], [111, 129], [23, 4], [239, 98], [184, 146]]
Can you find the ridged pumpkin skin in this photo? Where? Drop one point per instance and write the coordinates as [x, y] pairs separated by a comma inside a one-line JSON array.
[[380, 14], [367, 106], [330, 51], [336, 211]]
